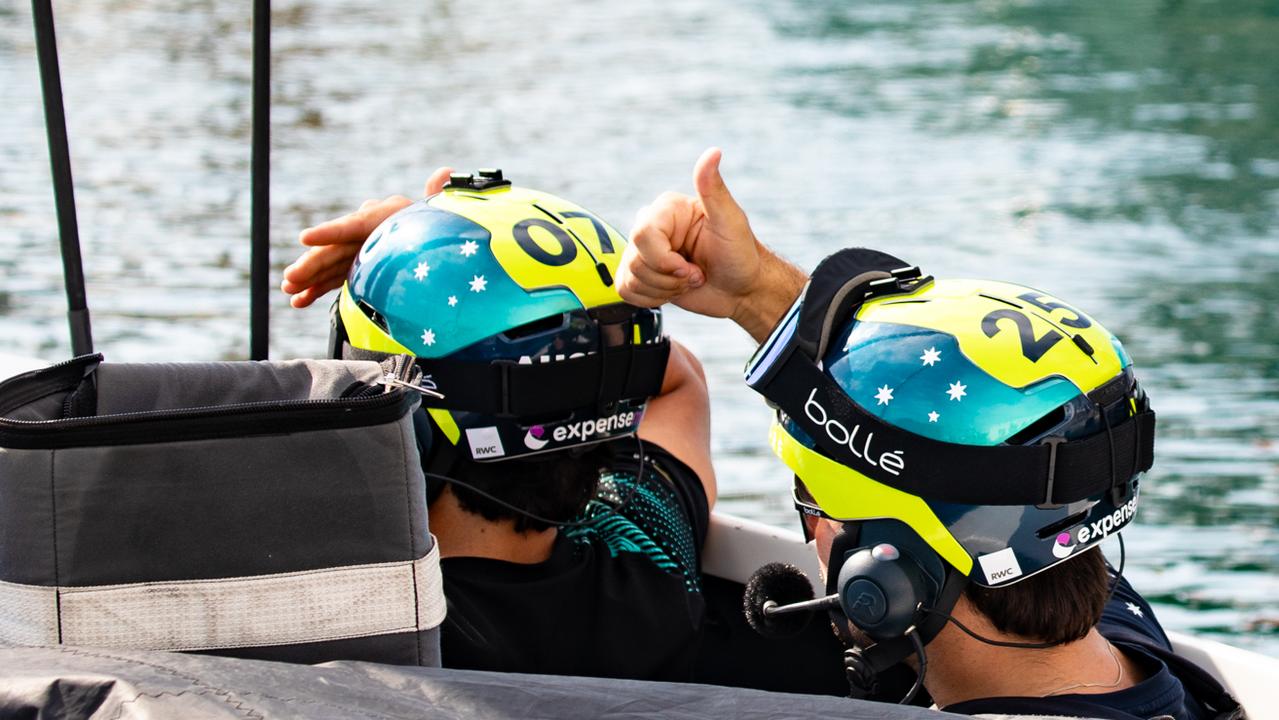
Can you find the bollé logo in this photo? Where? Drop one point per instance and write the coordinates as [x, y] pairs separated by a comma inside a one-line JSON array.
[[893, 462]]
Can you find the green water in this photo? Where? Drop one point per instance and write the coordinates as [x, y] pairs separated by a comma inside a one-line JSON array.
[[1124, 156]]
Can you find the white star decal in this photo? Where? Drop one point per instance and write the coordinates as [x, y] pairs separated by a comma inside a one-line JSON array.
[[1135, 609], [930, 356], [478, 283], [469, 248], [884, 395], [452, 300], [422, 270], [957, 390], [428, 337], [933, 416]]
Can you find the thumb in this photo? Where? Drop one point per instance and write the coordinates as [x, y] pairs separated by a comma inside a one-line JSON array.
[[711, 190], [436, 181]]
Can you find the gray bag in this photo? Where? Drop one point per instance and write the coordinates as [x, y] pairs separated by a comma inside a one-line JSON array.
[[270, 510]]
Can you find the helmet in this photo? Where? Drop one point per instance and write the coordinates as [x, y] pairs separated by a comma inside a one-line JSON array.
[[962, 372], [505, 297], [962, 431], [979, 363]]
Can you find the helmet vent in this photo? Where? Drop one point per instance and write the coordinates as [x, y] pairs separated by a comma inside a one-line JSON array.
[[1039, 427], [1053, 528], [553, 322], [373, 315]]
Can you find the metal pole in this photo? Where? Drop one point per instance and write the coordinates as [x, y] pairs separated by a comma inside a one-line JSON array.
[[55, 124], [259, 226]]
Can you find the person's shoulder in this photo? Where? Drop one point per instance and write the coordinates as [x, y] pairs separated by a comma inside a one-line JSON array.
[[1128, 617], [665, 481]]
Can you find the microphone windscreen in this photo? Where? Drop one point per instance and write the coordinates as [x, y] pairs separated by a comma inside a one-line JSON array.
[[783, 584]]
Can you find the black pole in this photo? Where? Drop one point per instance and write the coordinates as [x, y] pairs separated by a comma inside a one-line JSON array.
[[259, 225], [55, 125]]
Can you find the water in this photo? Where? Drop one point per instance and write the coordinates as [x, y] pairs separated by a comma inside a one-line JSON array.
[[1121, 155]]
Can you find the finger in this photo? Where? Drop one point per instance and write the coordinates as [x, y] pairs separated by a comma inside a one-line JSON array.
[[653, 281], [293, 286], [435, 183], [711, 190], [311, 294], [644, 298], [319, 260], [353, 227], [659, 228]]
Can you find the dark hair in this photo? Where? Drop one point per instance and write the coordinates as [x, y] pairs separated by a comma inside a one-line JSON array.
[[1059, 605], [556, 486]]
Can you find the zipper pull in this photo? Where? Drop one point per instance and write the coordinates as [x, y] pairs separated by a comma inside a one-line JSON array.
[[401, 371], [390, 380]]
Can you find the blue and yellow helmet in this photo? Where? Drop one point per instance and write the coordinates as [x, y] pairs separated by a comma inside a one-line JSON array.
[[505, 296], [1003, 426]]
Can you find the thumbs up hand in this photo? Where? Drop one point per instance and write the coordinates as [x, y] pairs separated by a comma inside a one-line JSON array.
[[701, 254]]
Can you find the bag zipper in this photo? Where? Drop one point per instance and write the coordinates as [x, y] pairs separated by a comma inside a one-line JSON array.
[[201, 423]]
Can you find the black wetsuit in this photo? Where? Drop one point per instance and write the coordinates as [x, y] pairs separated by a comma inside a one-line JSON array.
[[620, 596], [1173, 687]]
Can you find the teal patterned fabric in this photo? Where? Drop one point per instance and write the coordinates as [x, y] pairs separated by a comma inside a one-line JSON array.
[[642, 517]]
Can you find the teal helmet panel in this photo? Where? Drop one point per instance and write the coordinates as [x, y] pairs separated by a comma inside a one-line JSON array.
[[437, 286], [919, 380]]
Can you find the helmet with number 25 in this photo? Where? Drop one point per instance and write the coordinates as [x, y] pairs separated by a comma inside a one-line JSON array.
[[505, 297], [960, 431]]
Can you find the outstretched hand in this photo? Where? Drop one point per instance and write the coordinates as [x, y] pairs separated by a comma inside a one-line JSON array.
[[335, 243], [701, 254]]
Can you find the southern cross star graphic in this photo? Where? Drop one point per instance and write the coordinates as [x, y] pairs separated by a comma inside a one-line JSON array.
[[884, 396], [469, 248], [957, 390], [930, 356], [428, 337], [933, 416], [421, 271], [1135, 609], [452, 301], [478, 283]]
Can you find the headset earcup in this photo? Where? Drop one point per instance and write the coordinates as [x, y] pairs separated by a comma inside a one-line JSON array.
[[880, 589]]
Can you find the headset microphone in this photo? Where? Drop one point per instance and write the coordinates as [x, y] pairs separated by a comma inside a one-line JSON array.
[[778, 601]]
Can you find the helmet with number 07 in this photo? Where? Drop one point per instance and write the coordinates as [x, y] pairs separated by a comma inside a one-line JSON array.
[[999, 426], [505, 297]]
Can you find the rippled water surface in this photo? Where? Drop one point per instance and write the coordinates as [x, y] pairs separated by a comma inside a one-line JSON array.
[[1124, 156]]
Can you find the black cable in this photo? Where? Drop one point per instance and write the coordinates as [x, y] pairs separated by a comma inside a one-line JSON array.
[[913, 634], [988, 641], [55, 125], [554, 523], [260, 181], [1119, 574]]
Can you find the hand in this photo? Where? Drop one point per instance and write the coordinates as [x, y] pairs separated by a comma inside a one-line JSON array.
[[335, 243], [700, 253]]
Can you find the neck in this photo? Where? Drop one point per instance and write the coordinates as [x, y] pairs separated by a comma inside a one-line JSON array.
[[465, 534], [961, 668]]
